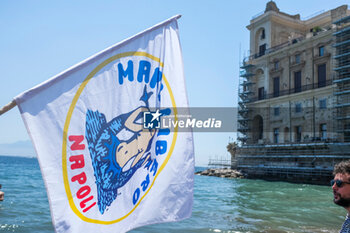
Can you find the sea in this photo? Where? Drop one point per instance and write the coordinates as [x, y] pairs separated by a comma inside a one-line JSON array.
[[220, 204]]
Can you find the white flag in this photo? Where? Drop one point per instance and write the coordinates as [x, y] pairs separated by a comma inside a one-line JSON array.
[[107, 164]]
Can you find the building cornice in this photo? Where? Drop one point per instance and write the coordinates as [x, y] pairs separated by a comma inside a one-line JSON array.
[[308, 43], [293, 22]]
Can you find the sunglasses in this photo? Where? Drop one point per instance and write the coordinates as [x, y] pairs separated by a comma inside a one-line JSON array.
[[339, 183]]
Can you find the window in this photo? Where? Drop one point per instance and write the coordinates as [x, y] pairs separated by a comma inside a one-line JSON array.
[[323, 103], [276, 86], [276, 132], [321, 51], [276, 65], [276, 111], [298, 107], [347, 132], [298, 133], [262, 49], [262, 34], [323, 131], [261, 93], [297, 81], [297, 58], [321, 73]]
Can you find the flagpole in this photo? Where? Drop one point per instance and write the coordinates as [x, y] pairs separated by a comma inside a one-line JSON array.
[[8, 107]]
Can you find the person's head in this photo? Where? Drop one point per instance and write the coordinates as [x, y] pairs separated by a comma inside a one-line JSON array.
[[341, 184]]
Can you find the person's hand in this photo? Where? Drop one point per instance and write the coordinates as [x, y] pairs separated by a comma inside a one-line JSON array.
[[2, 194]]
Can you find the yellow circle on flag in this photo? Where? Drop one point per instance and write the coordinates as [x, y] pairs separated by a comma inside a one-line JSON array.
[[67, 123]]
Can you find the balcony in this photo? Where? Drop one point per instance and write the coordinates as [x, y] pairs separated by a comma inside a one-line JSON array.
[[292, 90], [275, 48]]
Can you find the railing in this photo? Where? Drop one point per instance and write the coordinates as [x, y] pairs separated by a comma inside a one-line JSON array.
[[313, 15], [275, 48], [292, 91], [257, 15], [219, 162]]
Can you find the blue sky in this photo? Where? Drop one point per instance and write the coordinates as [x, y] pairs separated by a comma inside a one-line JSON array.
[[39, 39]]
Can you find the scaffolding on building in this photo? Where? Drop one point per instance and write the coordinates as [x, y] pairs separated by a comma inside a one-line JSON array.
[[244, 92], [304, 162], [342, 68], [312, 158]]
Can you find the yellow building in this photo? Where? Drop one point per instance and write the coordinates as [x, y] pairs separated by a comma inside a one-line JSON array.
[[294, 94]]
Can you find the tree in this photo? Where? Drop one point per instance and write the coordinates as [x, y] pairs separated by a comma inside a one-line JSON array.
[[232, 147]]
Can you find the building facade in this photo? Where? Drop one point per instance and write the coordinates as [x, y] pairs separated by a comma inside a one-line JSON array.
[[292, 104]]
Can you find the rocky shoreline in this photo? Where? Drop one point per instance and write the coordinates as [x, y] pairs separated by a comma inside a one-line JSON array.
[[221, 172]]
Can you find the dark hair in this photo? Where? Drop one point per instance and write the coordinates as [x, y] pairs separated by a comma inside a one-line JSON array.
[[342, 167]]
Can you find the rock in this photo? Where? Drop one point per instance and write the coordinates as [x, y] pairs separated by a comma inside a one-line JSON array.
[[221, 172], [205, 173]]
